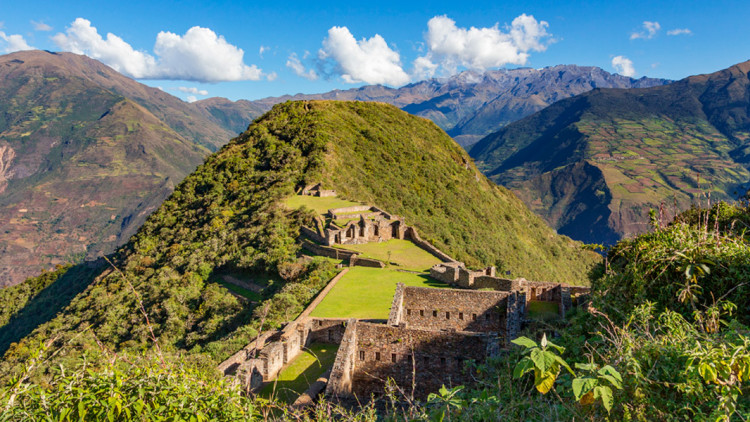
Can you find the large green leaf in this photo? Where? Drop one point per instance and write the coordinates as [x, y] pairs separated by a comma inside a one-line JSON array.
[[543, 360], [581, 386], [522, 367], [525, 342], [606, 395]]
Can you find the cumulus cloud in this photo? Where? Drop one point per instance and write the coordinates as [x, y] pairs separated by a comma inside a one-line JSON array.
[[680, 31], [272, 76], [294, 63], [623, 66], [263, 49], [191, 98], [14, 42], [198, 55], [41, 26], [192, 90], [367, 60], [648, 31], [449, 46]]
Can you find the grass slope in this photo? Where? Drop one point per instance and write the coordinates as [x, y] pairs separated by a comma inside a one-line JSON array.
[[295, 378], [367, 293], [403, 253]]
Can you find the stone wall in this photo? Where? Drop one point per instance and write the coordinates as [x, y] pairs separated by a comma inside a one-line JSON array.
[[327, 250], [311, 234], [411, 234], [423, 359], [451, 309], [357, 261]]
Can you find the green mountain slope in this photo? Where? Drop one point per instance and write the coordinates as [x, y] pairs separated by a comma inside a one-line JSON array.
[[85, 155], [593, 165], [229, 216]]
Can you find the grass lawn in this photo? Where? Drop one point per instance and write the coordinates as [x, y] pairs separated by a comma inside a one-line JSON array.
[[317, 204], [297, 376], [367, 293], [406, 254], [543, 310], [249, 294]]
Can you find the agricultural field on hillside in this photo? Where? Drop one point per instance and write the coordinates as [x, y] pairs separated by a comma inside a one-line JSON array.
[[317, 204], [403, 253], [368, 292]]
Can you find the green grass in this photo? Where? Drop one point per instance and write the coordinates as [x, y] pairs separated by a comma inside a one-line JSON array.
[[543, 310], [248, 294], [297, 376], [367, 293], [404, 253], [317, 204]]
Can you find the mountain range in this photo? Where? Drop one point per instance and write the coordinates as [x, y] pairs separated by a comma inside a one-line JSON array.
[[472, 104], [86, 154], [594, 165]]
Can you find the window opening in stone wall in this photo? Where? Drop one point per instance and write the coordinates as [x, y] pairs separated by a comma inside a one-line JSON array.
[[408, 312], [376, 230], [447, 315], [421, 312], [473, 317], [426, 360], [330, 335], [442, 361], [362, 231], [361, 355], [434, 314], [487, 317], [408, 358], [393, 357], [377, 355], [461, 316]]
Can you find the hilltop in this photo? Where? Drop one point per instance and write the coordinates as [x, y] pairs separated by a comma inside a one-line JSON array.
[[229, 216], [471, 104], [85, 155], [593, 165]]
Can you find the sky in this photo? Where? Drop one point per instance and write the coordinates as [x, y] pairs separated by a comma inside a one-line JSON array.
[[251, 50]]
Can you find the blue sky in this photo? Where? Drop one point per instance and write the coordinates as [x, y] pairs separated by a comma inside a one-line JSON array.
[[257, 49]]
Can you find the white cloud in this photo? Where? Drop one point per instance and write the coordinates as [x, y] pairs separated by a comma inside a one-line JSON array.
[[263, 49], [367, 60], [192, 90], [191, 99], [199, 55], [623, 66], [272, 76], [649, 31], [294, 63], [41, 26], [480, 48], [680, 31], [14, 42]]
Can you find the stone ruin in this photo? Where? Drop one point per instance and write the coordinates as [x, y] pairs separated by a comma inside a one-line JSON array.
[[316, 190], [564, 295], [430, 333]]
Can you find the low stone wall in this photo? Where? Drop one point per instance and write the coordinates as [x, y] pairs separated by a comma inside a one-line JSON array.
[[336, 213], [496, 283], [356, 261], [311, 234], [327, 250], [308, 397], [411, 234]]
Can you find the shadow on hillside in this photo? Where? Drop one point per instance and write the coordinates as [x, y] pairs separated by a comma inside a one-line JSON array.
[[49, 302]]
